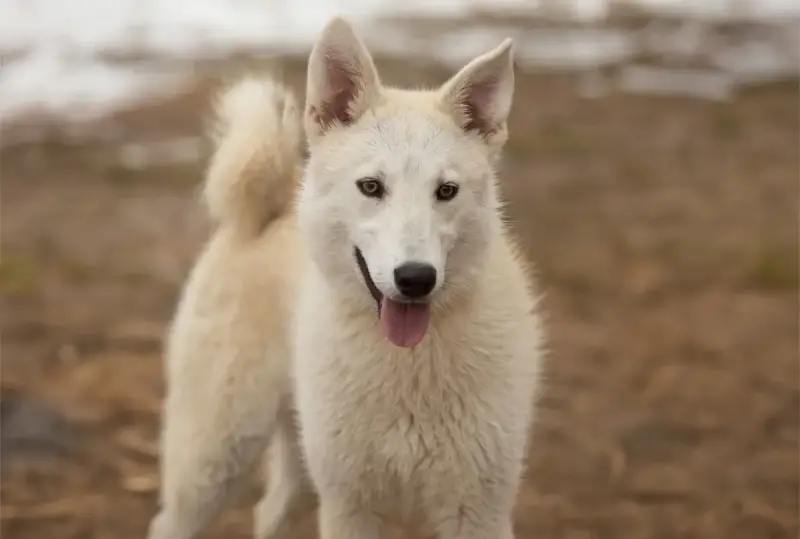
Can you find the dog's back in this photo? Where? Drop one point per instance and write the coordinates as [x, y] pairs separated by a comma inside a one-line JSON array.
[[227, 359], [242, 278]]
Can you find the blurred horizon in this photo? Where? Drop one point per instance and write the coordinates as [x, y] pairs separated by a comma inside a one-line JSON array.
[[96, 57]]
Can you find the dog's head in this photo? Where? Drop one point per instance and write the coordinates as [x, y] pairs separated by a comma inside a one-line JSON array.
[[399, 196]]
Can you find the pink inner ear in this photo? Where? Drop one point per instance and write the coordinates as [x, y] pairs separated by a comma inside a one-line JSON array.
[[341, 91], [477, 104]]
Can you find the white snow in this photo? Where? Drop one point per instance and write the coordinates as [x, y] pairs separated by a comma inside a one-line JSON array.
[[63, 57]]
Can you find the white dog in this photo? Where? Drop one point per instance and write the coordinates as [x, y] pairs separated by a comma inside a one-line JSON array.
[[376, 298]]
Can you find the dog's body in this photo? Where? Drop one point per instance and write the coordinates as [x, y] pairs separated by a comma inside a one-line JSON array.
[[414, 408]]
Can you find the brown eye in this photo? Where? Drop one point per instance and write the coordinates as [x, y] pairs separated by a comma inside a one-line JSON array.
[[370, 187], [446, 191]]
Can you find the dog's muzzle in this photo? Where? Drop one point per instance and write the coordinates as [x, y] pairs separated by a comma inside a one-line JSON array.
[[373, 289]]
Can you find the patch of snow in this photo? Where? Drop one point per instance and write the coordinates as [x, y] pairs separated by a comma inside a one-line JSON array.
[[58, 57]]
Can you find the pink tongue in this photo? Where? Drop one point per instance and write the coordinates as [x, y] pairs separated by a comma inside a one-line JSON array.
[[404, 324]]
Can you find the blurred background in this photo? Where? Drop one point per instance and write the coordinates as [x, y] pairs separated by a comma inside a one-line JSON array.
[[652, 173]]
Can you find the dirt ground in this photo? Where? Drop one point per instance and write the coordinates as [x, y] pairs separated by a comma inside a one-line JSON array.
[[665, 235]]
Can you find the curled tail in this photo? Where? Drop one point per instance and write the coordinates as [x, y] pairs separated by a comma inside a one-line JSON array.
[[254, 170]]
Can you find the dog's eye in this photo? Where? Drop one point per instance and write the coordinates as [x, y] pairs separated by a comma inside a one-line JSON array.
[[446, 191], [370, 187]]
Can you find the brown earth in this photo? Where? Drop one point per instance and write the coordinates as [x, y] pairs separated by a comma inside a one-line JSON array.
[[665, 233]]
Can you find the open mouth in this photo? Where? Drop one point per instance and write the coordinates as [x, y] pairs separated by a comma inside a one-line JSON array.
[[403, 322]]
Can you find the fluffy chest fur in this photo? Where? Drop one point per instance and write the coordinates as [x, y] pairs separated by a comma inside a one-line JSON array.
[[396, 426]]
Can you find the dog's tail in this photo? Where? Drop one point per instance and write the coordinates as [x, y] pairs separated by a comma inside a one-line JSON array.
[[253, 173]]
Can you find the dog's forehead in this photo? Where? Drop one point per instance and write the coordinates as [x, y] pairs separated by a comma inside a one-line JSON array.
[[408, 128], [405, 143], [419, 144]]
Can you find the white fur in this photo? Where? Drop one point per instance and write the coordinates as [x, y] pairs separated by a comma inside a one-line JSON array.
[[433, 435]]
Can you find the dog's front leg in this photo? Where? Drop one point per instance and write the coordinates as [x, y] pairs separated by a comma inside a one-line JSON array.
[[337, 520], [477, 508], [484, 526]]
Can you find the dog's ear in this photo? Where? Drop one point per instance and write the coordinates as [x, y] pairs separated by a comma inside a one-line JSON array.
[[479, 96], [342, 79]]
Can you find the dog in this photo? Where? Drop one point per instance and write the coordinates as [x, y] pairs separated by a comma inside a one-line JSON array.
[[362, 321]]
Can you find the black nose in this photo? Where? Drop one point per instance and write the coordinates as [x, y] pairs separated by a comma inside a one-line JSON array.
[[415, 279]]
